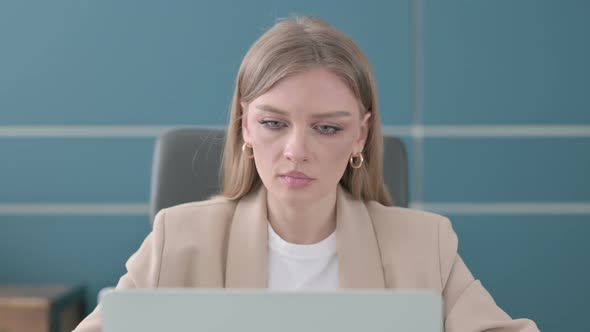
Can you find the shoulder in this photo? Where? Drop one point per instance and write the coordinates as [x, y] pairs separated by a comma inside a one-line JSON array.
[[413, 228], [393, 216], [189, 235], [407, 236], [187, 218], [215, 206]]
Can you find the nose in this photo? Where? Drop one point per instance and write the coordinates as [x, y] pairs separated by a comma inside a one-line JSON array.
[[296, 147]]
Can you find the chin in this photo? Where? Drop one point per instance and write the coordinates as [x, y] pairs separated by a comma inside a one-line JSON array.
[[295, 196]]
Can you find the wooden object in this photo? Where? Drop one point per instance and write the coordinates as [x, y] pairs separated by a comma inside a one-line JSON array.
[[40, 308]]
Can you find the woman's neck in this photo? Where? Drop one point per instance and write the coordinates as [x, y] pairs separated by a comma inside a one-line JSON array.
[[303, 224]]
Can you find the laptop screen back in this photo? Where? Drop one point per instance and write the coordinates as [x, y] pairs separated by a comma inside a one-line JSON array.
[[156, 310]]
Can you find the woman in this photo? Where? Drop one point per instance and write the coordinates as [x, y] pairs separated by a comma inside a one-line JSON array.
[[303, 205]]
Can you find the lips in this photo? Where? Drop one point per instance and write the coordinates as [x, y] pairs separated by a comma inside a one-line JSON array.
[[295, 179], [297, 175]]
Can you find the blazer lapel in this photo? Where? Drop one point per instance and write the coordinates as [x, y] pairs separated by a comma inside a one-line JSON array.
[[247, 255], [359, 257], [358, 252]]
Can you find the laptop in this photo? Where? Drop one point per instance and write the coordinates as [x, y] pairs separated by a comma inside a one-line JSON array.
[[221, 310]]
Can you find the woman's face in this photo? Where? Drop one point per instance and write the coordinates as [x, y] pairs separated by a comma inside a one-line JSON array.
[[303, 132]]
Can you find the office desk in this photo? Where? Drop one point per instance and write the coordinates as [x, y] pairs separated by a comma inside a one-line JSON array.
[[40, 308]]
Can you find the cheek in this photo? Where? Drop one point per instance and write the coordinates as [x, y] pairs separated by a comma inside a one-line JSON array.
[[267, 151], [268, 143], [337, 148], [333, 157]]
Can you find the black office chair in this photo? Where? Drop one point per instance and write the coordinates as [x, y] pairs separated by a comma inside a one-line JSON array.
[[187, 161]]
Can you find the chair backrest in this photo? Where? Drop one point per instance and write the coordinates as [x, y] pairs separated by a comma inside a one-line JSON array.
[[187, 162]]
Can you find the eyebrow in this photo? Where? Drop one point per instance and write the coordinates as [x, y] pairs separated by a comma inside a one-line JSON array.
[[273, 109]]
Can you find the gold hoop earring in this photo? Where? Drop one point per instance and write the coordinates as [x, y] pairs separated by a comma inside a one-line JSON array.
[[356, 165], [244, 153]]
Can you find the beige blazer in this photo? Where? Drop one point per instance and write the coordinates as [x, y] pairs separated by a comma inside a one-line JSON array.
[[222, 243]]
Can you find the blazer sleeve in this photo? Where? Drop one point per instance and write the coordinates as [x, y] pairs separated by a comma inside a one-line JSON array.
[[467, 304], [143, 271]]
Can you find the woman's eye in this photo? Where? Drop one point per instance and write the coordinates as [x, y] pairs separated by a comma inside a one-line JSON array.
[[328, 130], [271, 124]]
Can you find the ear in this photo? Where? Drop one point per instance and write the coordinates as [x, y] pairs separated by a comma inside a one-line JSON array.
[[360, 142], [244, 121]]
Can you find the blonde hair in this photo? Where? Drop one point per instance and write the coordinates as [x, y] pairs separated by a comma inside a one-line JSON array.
[[291, 46]]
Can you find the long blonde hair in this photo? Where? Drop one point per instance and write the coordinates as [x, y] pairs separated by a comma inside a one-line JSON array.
[[294, 45]]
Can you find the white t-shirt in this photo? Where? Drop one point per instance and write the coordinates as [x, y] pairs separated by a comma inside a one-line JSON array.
[[294, 267]]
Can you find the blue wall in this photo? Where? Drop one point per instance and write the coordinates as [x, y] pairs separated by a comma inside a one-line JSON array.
[[145, 65]]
